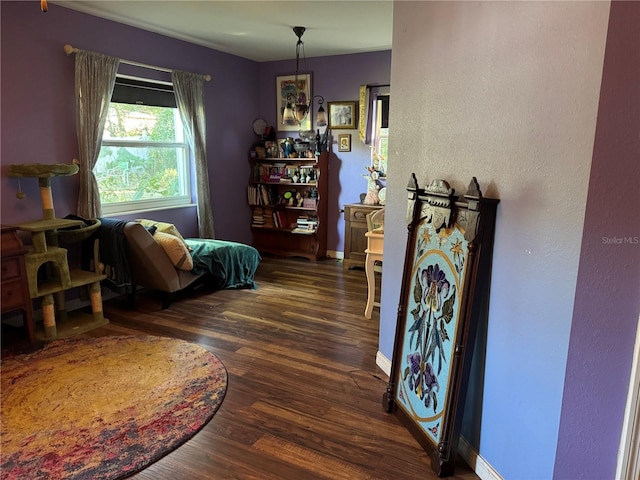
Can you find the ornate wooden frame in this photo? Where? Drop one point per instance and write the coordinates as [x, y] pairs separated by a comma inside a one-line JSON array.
[[444, 296]]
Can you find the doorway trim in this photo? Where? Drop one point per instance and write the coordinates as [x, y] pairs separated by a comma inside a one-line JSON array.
[[628, 467]]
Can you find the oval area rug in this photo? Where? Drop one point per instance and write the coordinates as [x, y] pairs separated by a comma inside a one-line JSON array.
[[104, 407]]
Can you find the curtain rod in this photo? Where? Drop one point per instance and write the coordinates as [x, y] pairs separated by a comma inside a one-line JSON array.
[[68, 49]]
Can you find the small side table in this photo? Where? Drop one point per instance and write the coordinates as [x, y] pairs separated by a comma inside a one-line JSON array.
[[374, 253], [15, 288]]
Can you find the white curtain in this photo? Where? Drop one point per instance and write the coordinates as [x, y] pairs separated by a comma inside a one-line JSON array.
[[95, 76], [189, 91]]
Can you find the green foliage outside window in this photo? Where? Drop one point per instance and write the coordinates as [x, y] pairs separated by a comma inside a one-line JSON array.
[[142, 154]]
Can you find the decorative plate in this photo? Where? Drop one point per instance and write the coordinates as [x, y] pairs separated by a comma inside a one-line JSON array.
[[259, 126], [382, 195]]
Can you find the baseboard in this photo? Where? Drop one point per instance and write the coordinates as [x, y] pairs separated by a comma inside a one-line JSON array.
[[337, 255], [465, 450], [479, 465], [383, 363]]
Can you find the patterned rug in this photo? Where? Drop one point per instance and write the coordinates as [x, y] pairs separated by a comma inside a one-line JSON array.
[[104, 407]]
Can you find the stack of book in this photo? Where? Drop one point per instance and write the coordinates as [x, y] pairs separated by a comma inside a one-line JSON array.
[[268, 218], [306, 225], [258, 217]]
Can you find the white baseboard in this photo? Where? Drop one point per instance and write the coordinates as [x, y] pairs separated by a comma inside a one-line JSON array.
[[337, 255], [476, 462], [465, 450], [383, 363]]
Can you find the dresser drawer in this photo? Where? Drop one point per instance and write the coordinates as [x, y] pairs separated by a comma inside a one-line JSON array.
[[359, 214], [12, 295], [10, 268]]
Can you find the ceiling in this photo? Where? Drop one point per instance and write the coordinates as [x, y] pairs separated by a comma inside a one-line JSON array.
[[258, 30]]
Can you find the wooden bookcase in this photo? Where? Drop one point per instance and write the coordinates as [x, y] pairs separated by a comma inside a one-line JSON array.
[[288, 199]]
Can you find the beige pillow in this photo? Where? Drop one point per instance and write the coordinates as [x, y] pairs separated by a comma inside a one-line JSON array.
[[163, 227], [175, 250]]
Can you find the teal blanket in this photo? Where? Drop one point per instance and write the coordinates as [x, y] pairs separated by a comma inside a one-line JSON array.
[[230, 264]]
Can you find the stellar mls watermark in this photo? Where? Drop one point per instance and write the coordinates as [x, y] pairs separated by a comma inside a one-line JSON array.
[[620, 240]]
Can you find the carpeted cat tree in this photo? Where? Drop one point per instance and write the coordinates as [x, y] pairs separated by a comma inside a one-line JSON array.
[[48, 272]]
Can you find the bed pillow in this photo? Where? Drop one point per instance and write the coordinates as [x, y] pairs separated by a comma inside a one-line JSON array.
[[175, 250], [163, 227]]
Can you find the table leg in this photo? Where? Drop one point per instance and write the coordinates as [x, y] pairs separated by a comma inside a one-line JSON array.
[[371, 285]]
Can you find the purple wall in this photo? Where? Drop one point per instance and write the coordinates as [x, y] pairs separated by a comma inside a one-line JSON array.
[[336, 78], [38, 111], [38, 108], [607, 296]]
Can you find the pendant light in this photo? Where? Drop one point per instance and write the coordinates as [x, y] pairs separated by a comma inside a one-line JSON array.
[[297, 104], [297, 107]]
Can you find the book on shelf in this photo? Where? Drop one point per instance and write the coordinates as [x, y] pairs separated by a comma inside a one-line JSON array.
[[268, 217], [303, 231], [306, 221]]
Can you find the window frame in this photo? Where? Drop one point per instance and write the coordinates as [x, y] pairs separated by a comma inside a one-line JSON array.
[[184, 165]]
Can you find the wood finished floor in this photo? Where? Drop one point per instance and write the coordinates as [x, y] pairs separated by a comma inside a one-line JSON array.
[[304, 393]]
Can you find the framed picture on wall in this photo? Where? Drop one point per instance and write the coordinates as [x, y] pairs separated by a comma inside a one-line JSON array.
[[344, 142], [342, 115], [286, 93]]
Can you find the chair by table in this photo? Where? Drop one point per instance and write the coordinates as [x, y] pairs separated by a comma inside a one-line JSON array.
[[374, 253]]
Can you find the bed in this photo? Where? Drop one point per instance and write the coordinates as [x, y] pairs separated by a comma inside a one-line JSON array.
[[228, 264]]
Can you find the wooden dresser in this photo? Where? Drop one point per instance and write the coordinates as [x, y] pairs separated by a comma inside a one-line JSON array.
[[15, 289], [355, 226]]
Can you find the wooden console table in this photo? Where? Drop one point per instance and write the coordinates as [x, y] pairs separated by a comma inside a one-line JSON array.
[[15, 289]]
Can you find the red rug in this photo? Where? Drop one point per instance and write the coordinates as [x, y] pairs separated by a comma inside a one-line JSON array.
[[104, 408]]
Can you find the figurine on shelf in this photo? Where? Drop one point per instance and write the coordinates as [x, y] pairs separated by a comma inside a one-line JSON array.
[[371, 198]]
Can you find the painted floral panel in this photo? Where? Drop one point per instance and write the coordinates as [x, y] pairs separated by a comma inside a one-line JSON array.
[[430, 328]]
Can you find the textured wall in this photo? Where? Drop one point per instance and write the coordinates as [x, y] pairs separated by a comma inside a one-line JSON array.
[[507, 92], [607, 299]]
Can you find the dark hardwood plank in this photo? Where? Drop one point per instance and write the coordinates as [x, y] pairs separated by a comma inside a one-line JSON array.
[[304, 395]]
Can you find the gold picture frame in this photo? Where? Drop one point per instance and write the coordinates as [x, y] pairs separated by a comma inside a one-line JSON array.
[[342, 115], [344, 142]]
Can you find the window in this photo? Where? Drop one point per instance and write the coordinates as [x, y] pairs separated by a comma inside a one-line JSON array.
[[380, 134], [144, 159]]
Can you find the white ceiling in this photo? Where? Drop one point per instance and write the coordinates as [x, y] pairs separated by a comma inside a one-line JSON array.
[[259, 30]]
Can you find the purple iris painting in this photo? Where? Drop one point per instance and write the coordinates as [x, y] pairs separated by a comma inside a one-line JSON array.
[[434, 299]]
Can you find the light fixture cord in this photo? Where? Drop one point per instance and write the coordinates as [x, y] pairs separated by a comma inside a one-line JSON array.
[[298, 46]]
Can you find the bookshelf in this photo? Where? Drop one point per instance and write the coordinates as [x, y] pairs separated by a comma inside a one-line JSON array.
[[288, 200]]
